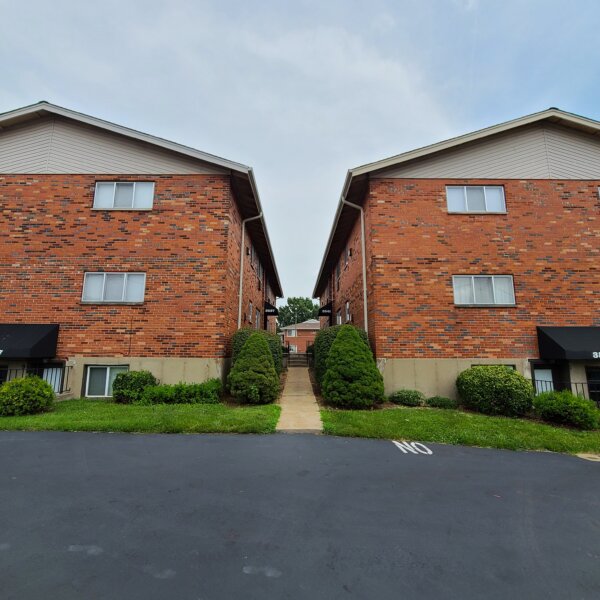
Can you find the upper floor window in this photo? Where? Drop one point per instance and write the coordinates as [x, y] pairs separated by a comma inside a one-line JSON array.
[[123, 195], [483, 290], [348, 312], [257, 319], [291, 332], [346, 255], [114, 287], [338, 317], [250, 312], [475, 198], [338, 273]]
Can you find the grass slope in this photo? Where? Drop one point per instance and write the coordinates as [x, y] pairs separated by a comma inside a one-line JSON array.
[[100, 415], [457, 427]]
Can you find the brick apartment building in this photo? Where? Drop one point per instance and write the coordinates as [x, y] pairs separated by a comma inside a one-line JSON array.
[[121, 250], [484, 249], [299, 336]]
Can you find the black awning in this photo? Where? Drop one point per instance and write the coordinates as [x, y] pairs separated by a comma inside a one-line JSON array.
[[569, 343], [270, 310], [326, 310], [20, 340]]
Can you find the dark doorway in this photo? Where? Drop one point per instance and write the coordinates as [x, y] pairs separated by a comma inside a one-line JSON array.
[[593, 381]]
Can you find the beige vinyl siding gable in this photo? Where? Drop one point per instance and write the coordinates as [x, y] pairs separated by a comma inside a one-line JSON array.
[[58, 145], [541, 151]]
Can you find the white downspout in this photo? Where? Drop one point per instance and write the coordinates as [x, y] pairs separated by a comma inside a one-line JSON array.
[[242, 254], [364, 260]]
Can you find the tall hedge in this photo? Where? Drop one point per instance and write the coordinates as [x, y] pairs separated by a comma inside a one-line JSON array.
[[240, 337], [352, 379], [323, 342], [495, 390], [253, 378]]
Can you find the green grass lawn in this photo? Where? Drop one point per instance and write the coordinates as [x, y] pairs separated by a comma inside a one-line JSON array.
[[457, 427], [101, 415]]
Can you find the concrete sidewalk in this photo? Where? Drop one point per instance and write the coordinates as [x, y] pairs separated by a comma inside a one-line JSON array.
[[299, 408]]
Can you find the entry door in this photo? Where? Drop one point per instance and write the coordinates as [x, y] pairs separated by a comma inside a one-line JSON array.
[[544, 382], [593, 380]]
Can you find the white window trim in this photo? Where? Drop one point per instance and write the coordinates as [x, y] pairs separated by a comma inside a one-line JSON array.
[[113, 207], [250, 308], [476, 212], [87, 378], [493, 290], [105, 273]]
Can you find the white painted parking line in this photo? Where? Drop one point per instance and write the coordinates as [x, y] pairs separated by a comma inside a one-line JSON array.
[[413, 448]]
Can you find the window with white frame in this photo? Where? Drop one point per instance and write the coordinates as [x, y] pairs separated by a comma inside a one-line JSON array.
[[99, 380], [257, 319], [250, 312], [475, 198], [338, 273], [347, 312], [483, 290], [291, 332], [114, 287], [123, 195], [338, 317]]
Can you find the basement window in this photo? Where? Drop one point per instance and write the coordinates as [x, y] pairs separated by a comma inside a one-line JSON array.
[[124, 195], [483, 290], [99, 380], [475, 199]]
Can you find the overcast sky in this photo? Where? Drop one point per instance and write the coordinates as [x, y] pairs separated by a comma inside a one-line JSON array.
[[302, 91]]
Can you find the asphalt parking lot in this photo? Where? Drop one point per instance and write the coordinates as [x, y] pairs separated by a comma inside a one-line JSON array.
[[208, 517]]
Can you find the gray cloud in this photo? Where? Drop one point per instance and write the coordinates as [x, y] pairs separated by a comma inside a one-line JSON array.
[[301, 92]]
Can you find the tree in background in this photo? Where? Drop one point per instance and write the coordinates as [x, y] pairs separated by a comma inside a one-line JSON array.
[[297, 310]]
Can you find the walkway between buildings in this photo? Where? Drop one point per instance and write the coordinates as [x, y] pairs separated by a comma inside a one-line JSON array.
[[299, 408]]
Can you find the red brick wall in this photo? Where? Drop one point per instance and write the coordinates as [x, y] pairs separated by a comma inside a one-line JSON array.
[[251, 291], [351, 282], [51, 236], [549, 240], [302, 340]]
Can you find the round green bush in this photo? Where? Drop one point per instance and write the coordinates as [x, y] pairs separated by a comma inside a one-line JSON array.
[[352, 379], [240, 337], [564, 408], [253, 378], [441, 402], [128, 387], [495, 390], [408, 398], [25, 396], [322, 345]]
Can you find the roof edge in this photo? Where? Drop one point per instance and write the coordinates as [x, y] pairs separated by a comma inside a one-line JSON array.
[[440, 147], [46, 107]]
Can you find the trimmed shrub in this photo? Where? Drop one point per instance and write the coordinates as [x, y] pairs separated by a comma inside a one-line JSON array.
[[253, 378], [128, 387], [565, 408], [495, 390], [408, 398], [240, 337], [323, 342], [25, 396], [441, 402], [208, 392], [351, 379]]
